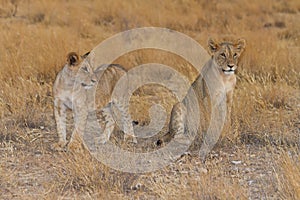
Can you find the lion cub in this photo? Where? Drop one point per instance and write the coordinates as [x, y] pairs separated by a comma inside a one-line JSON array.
[[217, 80], [70, 91]]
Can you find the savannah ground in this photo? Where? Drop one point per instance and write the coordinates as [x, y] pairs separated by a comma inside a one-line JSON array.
[[257, 159]]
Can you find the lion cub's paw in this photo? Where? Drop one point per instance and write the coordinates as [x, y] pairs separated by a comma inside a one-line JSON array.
[[102, 139], [59, 146], [75, 146], [132, 138]]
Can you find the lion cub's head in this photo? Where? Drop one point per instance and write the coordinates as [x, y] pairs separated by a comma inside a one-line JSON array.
[[226, 54], [81, 68]]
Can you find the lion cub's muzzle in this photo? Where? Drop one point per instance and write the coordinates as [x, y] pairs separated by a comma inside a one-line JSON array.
[[229, 69], [90, 85]]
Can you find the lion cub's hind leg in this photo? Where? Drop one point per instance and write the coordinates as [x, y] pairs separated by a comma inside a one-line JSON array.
[[178, 128], [111, 115], [126, 121], [178, 120], [109, 124]]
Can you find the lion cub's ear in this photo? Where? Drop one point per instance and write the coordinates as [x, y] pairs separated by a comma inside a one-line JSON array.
[[85, 55], [240, 45], [213, 46], [72, 58]]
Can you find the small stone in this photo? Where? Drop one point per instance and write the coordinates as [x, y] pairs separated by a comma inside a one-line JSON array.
[[203, 170], [136, 187], [236, 162], [251, 182]]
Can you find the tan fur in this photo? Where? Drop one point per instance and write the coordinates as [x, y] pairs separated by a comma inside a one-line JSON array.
[[225, 57], [71, 90], [220, 72]]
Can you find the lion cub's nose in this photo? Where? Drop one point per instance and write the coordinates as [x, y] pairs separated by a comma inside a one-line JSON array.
[[230, 65]]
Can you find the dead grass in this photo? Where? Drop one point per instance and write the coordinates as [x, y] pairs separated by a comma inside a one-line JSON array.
[[35, 37], [287, 174]]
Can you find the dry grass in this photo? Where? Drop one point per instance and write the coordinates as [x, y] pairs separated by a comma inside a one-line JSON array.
[[35, 37], [289, 175]]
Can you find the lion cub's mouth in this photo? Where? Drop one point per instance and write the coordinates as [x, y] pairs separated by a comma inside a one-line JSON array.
[[230, 71], [87, 86]]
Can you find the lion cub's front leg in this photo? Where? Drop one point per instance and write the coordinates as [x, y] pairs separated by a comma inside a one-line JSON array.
[[80, 120], [60, 118], [228, 123]]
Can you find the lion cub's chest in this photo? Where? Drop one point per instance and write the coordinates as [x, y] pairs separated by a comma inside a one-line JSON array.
[[229, 82]]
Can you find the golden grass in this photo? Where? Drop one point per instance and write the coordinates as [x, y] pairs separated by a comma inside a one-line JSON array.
[[289, 176], [35, 37]]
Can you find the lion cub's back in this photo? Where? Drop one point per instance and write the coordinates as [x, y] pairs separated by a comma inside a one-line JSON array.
[[106, 83]]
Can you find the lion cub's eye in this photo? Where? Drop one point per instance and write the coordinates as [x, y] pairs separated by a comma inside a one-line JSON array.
[[223, 55], [235, 55]]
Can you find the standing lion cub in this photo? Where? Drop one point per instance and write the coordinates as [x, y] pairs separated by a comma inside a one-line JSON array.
[[71, 91]]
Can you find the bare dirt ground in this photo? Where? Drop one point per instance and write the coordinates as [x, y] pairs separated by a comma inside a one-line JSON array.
[[39, 174]]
